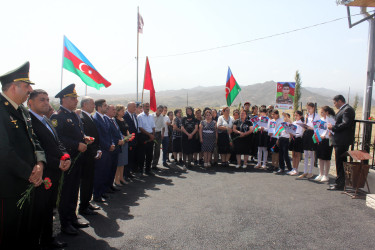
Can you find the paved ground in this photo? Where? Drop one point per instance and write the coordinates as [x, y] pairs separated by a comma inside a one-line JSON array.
[[226, 208]]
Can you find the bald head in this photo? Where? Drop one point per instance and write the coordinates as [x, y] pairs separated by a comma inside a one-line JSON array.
[[131, 107]]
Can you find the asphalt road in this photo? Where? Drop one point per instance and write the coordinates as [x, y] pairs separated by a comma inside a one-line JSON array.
[[227, 208]]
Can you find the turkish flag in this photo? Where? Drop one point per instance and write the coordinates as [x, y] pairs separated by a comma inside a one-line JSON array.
[[149, 85]]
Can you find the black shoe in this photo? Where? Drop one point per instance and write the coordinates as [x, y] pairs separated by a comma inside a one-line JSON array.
[[280, 171], [196, 163], [69, 229], [149, 173], [155, 168], [180, 163], [87, 211], [115, 189], [99, 200], [130, 176], [94, 207], [78, 224], [165, 165], [335, 188], [54, 243], [105, 196]]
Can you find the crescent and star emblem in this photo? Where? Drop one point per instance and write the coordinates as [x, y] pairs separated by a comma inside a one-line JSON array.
[[80, 68]]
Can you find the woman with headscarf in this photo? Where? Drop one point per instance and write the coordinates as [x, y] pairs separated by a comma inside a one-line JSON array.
[[189, 128]]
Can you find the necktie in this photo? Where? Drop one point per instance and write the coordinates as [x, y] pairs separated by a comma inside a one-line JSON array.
[[46, 124]]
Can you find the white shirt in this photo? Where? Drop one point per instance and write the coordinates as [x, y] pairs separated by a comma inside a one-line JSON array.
[[226, 123], [166, 120], [299, 131], [159, 122], [146, 122]]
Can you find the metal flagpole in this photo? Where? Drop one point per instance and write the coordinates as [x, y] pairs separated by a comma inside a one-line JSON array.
[[62, 64], [137, 47]]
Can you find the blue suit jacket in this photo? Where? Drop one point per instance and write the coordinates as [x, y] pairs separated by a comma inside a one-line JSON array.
[[133, 128], [104, 132], [115, 133]]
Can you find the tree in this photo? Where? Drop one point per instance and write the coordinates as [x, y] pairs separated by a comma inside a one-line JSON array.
[[297, 90], [356, 100]]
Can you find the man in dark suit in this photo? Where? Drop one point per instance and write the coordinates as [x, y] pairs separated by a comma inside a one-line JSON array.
[[131, 119], [343, 137], [92, 153], [70, 131], [21, 156], [117, 140], [45, 200], [103, 164]]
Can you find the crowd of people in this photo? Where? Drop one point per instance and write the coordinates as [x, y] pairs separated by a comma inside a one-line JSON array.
[[93, 150]]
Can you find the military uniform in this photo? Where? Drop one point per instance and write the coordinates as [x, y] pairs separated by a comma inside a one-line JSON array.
[[70, 131], [19, 152]]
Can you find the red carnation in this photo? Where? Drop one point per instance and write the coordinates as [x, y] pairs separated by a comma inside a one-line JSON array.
[[65, 157], [47, 183]]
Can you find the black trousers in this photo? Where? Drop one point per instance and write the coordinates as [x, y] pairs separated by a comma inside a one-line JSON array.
[[284, 154], [340, 159], [145, 153], [15, 224], [42, 219], [87, 181], [69, 193], [132, 158]]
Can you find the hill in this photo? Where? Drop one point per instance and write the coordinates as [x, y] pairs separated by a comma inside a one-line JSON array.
[[214, 96]]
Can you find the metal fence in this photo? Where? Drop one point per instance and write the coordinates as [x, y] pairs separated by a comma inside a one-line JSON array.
[[364, 127]]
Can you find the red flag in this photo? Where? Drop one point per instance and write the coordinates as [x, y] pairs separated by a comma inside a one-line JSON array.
[[149, 85]]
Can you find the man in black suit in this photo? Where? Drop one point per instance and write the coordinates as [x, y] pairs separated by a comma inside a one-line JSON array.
[[343, 137], [45, 200], [21, 159], [70, 131], [130, 118], [92, 153]]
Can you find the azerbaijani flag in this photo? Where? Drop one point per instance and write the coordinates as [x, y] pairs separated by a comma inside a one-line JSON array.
[[279, 129], [316, 137], [232, 88], [256, 127], [77, 63]]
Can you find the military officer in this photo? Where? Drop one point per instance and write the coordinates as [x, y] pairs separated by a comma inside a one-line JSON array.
[[22, 159], [70, 131]]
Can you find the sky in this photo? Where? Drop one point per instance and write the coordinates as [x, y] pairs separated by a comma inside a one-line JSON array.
[[330, 56]]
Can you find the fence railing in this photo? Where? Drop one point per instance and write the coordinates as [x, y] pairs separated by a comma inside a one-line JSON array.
[[364, 127]]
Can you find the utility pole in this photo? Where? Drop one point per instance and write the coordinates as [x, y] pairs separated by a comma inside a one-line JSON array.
[[366, 132]]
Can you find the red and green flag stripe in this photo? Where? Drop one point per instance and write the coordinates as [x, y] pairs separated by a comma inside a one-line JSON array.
[[316, 137], [77, 63], [232, 89]]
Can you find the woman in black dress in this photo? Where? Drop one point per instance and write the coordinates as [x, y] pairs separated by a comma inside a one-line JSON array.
[[189, 128], [176, 137], [198, 155], [242, 128]]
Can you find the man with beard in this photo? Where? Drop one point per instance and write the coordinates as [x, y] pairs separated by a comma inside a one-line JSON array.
[[45, 200]]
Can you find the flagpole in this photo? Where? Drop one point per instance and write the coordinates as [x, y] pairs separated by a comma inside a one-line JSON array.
[[86, 90], [143, 89], [138, 49], [242, 103], [62, 64]]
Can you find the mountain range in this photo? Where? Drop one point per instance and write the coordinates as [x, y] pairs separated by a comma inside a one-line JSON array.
[[214, 96]]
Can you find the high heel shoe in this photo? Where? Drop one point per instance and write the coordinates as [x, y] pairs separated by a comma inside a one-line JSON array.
[[119, 184]]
